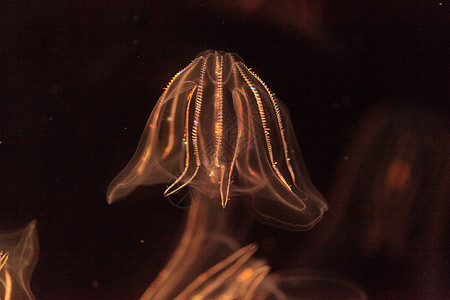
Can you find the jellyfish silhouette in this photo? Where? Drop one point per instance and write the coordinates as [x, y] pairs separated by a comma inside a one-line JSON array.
[[218, 129]]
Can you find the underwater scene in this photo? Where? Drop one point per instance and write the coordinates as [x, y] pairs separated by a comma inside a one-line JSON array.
[[224, 150]]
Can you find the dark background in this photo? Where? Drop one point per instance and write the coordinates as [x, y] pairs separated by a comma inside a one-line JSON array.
[[79, 79]]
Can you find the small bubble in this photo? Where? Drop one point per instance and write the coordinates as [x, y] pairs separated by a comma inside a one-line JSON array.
[[440, 3], [125, 128], [50, 118], [95, 283], [1, 142], [346, 157], [141, 241]]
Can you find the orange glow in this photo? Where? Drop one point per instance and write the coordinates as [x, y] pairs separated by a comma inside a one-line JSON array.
[[8, 286], [245, 275], [398, 174]]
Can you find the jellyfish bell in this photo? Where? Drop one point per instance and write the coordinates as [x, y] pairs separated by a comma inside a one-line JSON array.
[[219, 129]]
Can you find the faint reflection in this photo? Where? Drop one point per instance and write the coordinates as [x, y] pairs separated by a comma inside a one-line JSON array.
[[304, 18], [3, 258], [18, 257]]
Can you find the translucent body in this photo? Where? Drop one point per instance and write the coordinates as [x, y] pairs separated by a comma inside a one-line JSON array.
[[211, 235], [18, 257], [218, 129], [240, 276]]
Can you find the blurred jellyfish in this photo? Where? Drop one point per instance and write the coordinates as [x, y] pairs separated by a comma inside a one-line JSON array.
[[236, 277], [18, 257], [219, 129], [308, 284], [240, 276], [211, 234], [390, 202]]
